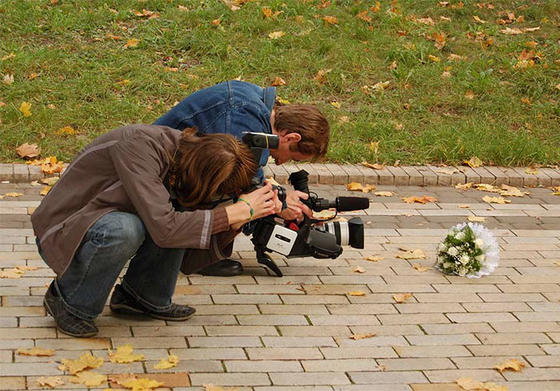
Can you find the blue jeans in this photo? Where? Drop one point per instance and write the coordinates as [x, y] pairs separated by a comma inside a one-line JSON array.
[[107, 246]]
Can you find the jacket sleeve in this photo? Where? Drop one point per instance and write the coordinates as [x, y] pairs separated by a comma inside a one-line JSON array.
[[139, 162]]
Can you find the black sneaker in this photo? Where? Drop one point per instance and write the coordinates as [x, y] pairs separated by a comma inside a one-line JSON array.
[[123, 303], [66, 322]]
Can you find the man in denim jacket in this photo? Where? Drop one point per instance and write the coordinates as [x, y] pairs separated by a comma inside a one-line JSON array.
[[234, 107]]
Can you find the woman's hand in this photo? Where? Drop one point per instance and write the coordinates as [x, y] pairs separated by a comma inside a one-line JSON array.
[[262, 202]]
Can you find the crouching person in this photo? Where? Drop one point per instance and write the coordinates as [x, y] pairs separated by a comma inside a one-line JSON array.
[[119, 200]]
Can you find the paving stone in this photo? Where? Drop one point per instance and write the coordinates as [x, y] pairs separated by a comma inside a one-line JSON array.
[[387, 377], [319, 378], [21, 173], [340, 176], [283, 353]]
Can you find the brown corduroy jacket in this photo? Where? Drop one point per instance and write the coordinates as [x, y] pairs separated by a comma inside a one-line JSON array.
[[122, 170]]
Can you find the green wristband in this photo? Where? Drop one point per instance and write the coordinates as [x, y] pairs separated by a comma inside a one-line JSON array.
[[251, 211]]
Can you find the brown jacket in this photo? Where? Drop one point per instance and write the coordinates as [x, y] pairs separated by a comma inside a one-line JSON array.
[[121, 170]]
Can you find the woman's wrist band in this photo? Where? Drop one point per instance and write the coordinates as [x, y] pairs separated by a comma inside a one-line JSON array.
[[251, 211]]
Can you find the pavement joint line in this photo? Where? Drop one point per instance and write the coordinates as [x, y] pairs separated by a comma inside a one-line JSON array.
[[338, 174]]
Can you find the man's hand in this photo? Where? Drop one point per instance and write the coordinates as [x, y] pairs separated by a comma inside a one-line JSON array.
[[296, 209]]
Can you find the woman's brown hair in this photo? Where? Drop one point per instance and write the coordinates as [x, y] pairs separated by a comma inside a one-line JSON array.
[[207, 166]]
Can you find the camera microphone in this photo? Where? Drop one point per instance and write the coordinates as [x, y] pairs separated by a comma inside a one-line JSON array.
[[347, 204]]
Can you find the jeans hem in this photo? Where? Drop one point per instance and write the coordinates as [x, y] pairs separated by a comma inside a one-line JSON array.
[[73, 310], [126, 286]]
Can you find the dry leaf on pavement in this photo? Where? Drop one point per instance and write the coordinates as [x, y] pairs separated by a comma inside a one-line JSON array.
[[28, 151], [421, 200], [36, 351], [402, 297], [11, 273], [356, 293], [89, 378], [384, 193], [411, 254], [421, 268], [12, 194], [50, 381], [374, 258], [356, 186], [45, 190], [211, 387], [139, 384], [124, 354], [85, 361], [507, 190], [166, 363], [356, 337], [511, 364], [495, 200], [359, 269], [476, 219], [464, 186]]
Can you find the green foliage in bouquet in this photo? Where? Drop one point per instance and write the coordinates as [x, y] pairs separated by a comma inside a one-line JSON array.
[[460, 253]]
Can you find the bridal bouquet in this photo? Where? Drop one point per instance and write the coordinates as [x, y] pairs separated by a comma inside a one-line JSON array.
[[468, 250]]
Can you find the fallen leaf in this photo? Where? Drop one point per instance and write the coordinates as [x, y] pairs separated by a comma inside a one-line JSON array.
[[276, 34], [411, 254], [375, 258], [446, 74], [421, 200], [384, 193], [50, 381], [11, 55], [321, 75], [326, 214], [469, 94], [131, 43], [344, 119], [477, 19], [50, 181], [420, 268], [66, 130], [376, 8], [364, 16], [8, 79], [166, 363], [476, 219], [12, 194], [429, 21], [278, 81], [48, 165], [330, 20], [464, 186], [45, 190], [11, 273], [36, 351], [506, 190], [148, 14], [359, 269], [211, 387], [356, 337], [85, 361], [25, 109], [467, 383], [124, 354], [336, 104], [375, 166], [495, 200], [402, 297], [356, 293], [89, 378], [511, 364], [531, 171], [464, 206], [28, 151], [355, 186], [473, 162], [434, 58], [486, 187], [216, 22]]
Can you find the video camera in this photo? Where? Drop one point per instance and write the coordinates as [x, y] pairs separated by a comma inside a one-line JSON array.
[[311, 237]]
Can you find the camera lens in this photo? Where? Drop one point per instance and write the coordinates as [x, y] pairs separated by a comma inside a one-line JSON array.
[[349, 232]]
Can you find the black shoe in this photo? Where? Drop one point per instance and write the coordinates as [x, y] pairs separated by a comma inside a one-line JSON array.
[[65, 321], [224, 268], [123, 303]]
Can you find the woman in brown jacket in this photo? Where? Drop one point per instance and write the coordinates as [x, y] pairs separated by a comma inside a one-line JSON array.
[[120, 199]]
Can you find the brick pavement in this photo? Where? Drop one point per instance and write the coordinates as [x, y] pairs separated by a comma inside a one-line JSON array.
[[262, 333]]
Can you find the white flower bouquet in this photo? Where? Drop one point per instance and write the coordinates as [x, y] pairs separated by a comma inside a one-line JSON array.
[[469, 250]]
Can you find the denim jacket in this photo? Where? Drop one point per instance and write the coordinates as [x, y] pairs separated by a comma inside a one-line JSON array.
[[231, 107]]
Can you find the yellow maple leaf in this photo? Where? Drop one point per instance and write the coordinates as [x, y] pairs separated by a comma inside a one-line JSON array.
[[476, 219], [511, 364], [28, 151], [411, 254], [356, 293], [278, 81], [402, 297], [356, 337], [495, 200], [473, 162], [132, 43], [89, 378], [359, 269], [464, 186], [66, 130], [330, 20], [466, 383], [166, 363], [124, 354], [336, 104], [506, 190], [85, 361], [276, 34], [36, 351], [141, 384], [434, 58], [531, 171], [374, 258], [50, 381], [377, 7], [421, 268], [25, 109], [384, 193], [421, 200]]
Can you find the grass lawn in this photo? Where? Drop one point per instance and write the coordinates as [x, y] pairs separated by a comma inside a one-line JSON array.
[[428, 81]]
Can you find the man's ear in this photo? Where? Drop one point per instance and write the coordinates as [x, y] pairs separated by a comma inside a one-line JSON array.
[[292, 137]]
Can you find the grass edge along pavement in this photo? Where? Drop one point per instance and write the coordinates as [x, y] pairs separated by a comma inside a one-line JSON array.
[[342, 174]]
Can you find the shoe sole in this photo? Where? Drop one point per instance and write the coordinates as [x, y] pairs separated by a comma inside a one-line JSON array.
[[50, 312], [123, 309]]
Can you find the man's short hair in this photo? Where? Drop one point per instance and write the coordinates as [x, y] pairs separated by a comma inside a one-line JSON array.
[[307, 121]]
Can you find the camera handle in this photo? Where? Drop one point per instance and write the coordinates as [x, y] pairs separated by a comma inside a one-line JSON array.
[[264, 259]]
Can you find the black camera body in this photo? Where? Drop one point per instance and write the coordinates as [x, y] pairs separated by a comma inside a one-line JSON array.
[[309, 238]]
